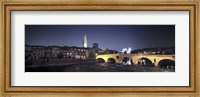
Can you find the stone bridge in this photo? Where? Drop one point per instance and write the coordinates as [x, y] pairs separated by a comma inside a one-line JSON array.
[[135, 58]]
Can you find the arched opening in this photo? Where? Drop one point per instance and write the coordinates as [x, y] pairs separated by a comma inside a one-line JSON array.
[[145, 62], [117, 57], [127, 61], [100, 60], [111, 60], [167, 63]]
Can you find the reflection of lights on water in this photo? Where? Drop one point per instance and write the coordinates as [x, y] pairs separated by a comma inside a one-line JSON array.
[[142, 62], [127, 62], [103, 65]]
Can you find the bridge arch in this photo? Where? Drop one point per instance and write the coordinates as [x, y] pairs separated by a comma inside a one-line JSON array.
[[167, 63], [111, 60], [100, 60], [145, 62], [155, 59]]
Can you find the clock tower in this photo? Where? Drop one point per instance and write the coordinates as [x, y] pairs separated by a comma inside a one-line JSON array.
[[85, 41]]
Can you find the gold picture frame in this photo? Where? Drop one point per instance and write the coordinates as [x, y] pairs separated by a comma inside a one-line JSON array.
[[49, 5]]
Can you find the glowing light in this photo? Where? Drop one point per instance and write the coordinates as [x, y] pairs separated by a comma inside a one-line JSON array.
[[124, 50], [127, 50]]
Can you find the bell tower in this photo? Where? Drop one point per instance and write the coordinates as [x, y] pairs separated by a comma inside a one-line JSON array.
[[85, 41]]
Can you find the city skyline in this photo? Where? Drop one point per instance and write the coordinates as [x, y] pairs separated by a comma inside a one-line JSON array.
[[114, 37]]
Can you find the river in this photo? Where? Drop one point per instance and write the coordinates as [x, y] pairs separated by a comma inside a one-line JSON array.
[[96, 67]]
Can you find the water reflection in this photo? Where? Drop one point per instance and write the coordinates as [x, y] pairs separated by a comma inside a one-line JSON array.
[[98, 67]]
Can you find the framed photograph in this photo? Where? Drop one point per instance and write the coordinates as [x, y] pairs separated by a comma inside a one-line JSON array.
[[99, 48]]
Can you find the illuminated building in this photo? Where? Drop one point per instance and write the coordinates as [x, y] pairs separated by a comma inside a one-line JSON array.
[[85, 41]]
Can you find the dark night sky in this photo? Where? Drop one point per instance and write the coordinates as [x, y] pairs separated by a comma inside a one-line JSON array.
[[114, 37]]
